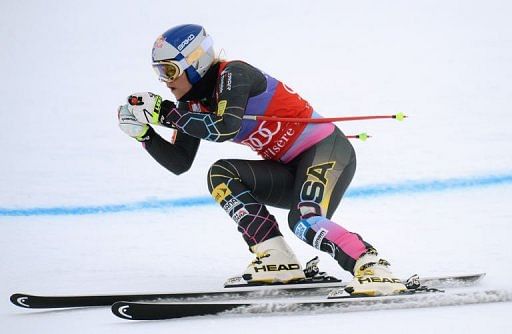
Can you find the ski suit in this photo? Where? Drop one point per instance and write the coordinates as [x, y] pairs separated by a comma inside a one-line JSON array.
[[306, 167]]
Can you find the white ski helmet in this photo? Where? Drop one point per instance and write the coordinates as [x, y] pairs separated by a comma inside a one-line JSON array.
[[184, 48]]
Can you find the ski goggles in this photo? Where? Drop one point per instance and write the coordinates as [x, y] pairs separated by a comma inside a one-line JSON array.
[[169, 70]]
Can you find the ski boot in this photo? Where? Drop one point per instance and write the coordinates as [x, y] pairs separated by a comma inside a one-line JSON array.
[[373, 277], [275, 263]]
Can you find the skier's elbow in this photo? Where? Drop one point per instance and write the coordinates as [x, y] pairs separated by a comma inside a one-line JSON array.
[[181, 169]]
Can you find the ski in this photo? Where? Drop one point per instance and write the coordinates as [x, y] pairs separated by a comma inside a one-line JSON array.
[[249, 291], [423, 298], [316, 282], [234, 290]]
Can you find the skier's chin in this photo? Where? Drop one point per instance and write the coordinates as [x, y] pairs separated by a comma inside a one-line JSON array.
[[178, 93]]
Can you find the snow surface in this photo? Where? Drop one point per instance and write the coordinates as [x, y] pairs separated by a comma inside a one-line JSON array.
[[67, 65]]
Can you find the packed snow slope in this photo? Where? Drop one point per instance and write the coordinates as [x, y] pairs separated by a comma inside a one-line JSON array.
[[83, 208]]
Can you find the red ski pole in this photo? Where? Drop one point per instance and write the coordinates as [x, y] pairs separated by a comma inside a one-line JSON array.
[[399, 117]]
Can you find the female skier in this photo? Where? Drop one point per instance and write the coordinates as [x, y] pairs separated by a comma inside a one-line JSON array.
[[306, 167]]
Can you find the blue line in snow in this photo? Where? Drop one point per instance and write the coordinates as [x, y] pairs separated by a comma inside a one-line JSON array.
[[404, 188]]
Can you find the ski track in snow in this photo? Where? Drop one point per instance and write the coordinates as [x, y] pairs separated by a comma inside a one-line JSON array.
[[417, 301]]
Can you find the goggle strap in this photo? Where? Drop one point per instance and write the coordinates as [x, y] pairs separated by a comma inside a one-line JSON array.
[[199, 51]]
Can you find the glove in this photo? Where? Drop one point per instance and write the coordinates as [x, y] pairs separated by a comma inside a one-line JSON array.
[[145, 107], [130, 125], [148, 108]]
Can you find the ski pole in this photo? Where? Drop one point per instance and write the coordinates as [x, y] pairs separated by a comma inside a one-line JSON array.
[[362, 136], [399, 117]]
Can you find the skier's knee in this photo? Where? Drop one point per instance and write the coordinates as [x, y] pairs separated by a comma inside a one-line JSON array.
[[220, 172]]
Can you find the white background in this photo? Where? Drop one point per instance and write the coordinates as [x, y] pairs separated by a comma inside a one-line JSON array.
[[67, 65]]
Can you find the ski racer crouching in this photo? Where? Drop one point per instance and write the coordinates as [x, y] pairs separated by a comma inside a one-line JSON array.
[[306, 167]]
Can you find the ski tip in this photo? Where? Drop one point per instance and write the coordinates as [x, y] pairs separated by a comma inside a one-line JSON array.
[[479, 276], [20, 300], [470, 277], [122, 310]]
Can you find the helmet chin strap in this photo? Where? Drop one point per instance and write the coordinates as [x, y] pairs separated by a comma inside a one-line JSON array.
[[204, 86]]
